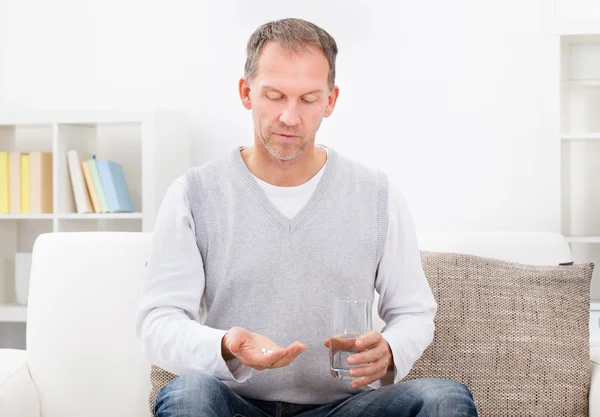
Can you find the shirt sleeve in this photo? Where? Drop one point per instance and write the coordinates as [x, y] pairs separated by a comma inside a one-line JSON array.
[[406, 302], [168, 321]]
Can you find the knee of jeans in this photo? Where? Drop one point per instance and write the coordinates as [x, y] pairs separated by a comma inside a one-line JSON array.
[[198, 384], [189, 391], [433, 390]]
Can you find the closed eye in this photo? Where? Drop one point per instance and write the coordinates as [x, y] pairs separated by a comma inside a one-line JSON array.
[[274, 95]]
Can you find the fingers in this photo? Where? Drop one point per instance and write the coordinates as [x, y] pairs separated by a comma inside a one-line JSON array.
[[344, 344], [372, 346], [266, 360], [368, 356], [366, 341], [258, 351], [292, 352], [369, 340], [368, 370], [372, 362], [251, 355], [278, 358], [368, 379]]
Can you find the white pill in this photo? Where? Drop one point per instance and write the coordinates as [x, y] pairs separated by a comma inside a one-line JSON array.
[[269, 351], [264, 350]]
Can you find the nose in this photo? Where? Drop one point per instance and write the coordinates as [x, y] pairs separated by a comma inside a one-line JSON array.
[[290, 116]]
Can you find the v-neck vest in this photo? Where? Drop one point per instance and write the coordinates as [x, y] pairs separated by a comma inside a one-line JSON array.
[[278, 276]]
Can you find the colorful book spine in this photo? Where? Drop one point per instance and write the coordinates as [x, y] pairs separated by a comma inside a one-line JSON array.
[[85, 167], [98, 185], [14, 182], [115, 187], [4, 194], [81, 196], [24, 183], [40, 182]]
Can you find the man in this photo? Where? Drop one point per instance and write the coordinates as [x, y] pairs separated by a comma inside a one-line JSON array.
[[250, 249]]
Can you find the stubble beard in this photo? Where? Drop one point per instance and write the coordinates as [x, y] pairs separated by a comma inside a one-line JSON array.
[[285, 151]]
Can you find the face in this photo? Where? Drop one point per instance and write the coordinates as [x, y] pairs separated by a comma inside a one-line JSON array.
[[289, 96]]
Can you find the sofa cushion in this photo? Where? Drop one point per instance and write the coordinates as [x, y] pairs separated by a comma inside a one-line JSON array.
[[517, 335]]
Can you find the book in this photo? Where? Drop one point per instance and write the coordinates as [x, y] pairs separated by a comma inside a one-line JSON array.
[[40, 182], [4, 196], [97, 184], [14, 182], [24, 183], [81, 194], [115, 187], [85, 167]]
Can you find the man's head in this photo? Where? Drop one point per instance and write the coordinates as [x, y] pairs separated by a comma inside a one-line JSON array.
[[289, 84]]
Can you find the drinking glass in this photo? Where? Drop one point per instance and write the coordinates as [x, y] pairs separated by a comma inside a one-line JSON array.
[[351, 319]]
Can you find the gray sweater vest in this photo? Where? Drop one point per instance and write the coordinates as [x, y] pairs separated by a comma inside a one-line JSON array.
[[277, 276]]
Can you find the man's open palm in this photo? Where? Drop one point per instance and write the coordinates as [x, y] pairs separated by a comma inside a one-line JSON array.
[[258, 351]]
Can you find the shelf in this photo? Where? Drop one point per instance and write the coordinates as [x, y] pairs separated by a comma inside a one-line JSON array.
[[73, 216], [88, 118], [13, 313], [99, 216], [585, 83], [583, 239], [584, 30], [153, 147], [581, 136], [43, 216]]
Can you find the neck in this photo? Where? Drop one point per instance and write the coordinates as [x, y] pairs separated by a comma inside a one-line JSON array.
[[284, 173]]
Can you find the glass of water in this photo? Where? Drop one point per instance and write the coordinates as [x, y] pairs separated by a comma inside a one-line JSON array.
[[351, 319]]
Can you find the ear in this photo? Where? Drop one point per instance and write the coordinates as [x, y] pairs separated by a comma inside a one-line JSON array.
[[332, 99], [244, 91]]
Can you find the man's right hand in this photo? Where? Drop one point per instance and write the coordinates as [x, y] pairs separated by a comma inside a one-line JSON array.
[[257, 351]]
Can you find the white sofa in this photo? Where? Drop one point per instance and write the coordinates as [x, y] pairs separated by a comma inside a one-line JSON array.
[[82, 357]]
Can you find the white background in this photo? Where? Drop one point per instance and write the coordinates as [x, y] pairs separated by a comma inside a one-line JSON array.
[[451, 99]]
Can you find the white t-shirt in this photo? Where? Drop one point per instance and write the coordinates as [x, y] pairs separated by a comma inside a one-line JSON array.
[[290, 200]]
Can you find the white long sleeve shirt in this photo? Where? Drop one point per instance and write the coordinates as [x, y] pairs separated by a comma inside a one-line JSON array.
[[169, 323]]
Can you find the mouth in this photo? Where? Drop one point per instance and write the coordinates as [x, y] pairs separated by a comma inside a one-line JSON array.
[[283, 136]]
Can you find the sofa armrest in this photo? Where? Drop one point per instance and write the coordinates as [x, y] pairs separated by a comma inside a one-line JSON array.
[[18, 395], [594, 397]]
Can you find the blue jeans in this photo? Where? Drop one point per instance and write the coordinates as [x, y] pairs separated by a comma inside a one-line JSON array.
[[201, 395]]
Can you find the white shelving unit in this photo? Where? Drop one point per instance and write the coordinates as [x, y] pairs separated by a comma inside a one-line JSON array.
[[580, 144], [152, 146], [576, 23], [13, 313]]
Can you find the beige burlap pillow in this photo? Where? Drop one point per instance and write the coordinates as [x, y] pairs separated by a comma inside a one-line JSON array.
[[159, 378], [517, 335]]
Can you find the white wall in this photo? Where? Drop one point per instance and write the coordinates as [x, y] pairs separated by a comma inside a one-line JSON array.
[[450, 98]]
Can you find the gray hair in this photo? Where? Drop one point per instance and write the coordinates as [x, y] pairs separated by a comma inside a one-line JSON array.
[[295, 35]]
